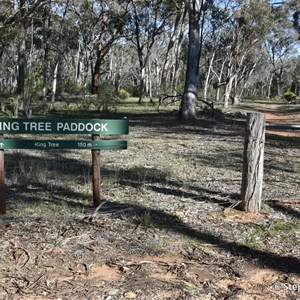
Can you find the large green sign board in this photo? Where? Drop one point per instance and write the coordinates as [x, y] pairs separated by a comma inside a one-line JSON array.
[[93, 127], [63, 126]]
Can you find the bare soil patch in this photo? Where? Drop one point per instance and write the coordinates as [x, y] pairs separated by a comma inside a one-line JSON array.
[[167, 229]]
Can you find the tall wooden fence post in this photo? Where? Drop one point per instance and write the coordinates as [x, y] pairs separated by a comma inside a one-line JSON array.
[[252, 179], [96, 173], [2, 183]]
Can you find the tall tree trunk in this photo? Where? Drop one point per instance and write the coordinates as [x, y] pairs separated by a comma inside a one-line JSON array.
[[22, 63], [171, 50], [78, 64], [143, 93], [46, 41], [85, 74], [189, 98], [111, 73], [177, 69], [270, 85], [279, 86], [228, 89], [59, 55], [54, 84], [30, 51], [96, 74], [235, 99], [149, 80], [220, 76], [120, 71], [208, 75]]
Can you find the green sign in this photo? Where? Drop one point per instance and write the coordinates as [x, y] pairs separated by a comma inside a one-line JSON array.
[[63, 126], [62, 144]]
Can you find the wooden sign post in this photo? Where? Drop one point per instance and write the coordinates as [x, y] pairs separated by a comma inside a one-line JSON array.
[[96, 173], [95, 127], [253, 165], [2, 183]]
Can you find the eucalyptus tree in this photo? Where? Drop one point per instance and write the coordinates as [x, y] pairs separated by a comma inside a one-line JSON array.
[[278, 48], [271, 77], [196, 15], [295, 85], [59, 46], [14, 11], [217, 29], [17, 16], [46, 33], [148, 21], [82, 34], [294, 7], [8, 37], [281, 42], [233, 48], [173, 42], [86, 19], [110, 18], [296, 21], [251, 24]]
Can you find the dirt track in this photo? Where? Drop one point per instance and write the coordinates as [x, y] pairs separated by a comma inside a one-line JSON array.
[[278, 114]]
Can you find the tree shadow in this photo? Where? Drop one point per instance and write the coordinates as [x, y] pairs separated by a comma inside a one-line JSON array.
[[161, 219], [158, 181], [285, 209], [153, 179], [283, 141], [34, 180], [59, 195]]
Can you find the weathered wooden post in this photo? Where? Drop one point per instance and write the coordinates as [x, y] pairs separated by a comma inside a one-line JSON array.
[[96, 173], [252, 179], [2, 183]]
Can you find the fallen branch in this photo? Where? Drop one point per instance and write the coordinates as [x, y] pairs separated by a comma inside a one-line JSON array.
[[94, 215], [16, 257], [124, 265], [35, 282]]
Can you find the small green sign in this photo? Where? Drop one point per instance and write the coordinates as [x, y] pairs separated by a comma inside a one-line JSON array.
[[63, 144], [63, 126]]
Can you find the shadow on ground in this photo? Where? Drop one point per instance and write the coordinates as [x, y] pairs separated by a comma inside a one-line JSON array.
[[288, 264]]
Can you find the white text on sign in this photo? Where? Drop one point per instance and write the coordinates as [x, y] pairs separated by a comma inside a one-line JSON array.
[[99, 127], [58, 127]]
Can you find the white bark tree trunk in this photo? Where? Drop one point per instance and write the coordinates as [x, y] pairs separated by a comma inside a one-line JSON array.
[[208, 75], [58, 55], [228, 89], [54, 85], [189, 99]]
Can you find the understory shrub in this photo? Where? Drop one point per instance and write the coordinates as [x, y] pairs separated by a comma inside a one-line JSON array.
[[123, 94], [107, 97], [289, 96], [73, 88]]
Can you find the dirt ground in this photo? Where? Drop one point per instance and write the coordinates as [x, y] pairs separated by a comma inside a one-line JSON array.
[[167, 227]]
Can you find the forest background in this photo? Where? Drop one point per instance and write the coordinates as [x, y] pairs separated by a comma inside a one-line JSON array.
[[214, 51]]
